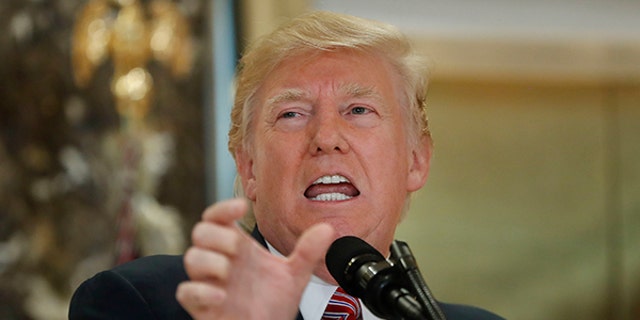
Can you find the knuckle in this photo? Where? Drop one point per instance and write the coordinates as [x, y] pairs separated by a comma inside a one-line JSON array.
[[199, 233]]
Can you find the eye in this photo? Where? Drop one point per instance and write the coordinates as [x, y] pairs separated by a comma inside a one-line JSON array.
[[359, 110], [363, 115], [291, 120], [289, 115]]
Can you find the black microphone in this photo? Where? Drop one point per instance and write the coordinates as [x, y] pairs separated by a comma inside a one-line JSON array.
[[364, 273], [402, 256]]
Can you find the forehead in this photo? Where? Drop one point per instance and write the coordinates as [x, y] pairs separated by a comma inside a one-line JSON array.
[[346, 72]]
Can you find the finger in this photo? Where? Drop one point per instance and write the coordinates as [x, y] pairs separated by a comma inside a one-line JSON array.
[[203, 264], [311, 248], [199, 298], [216, 237], [226, 212]]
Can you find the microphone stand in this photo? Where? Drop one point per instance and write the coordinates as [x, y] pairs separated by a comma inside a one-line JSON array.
[[402, 256]]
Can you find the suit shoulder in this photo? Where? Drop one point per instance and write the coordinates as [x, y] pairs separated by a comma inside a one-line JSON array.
[[164, 267], [466, 312], [108, 295], [140, 289]]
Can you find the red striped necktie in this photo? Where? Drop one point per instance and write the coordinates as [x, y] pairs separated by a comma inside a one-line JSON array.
[[342, 307]]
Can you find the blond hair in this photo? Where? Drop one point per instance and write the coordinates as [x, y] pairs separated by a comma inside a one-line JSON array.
[[322, 31]]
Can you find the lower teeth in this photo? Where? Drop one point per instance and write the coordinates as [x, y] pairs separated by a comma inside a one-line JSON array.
[[331, 197]]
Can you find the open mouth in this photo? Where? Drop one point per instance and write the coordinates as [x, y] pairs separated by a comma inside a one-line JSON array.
[[331, 188]]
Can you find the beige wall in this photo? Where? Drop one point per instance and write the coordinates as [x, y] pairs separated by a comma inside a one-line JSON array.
[[262, 16], [533, 205]]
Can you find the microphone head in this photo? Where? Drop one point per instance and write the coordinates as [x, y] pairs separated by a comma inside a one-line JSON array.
[[345, 257]]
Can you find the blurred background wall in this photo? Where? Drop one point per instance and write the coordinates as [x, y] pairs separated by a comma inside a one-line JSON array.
[[102, 144], [532, 208]]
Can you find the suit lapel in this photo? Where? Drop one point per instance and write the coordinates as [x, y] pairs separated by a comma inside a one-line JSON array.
[[258, 236]]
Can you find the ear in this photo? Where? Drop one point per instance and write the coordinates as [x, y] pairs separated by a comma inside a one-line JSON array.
[[419, 164], [244, 164]]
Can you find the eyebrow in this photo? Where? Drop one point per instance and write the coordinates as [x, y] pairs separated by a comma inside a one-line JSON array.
[[351, 90], [287, 95], [355, 90]]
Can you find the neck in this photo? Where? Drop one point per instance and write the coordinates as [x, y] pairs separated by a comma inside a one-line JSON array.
[[322, 272]]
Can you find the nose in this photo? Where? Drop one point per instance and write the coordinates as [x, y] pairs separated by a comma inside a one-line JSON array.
[[328, 134]]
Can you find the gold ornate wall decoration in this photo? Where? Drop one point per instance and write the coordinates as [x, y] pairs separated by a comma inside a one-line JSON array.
[[120, 30], [131, 34], [64, 177]]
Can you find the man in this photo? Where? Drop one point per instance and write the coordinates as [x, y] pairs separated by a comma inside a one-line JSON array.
[[330, 138]]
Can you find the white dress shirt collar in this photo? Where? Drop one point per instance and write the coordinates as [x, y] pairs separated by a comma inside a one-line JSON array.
[[316, 296]]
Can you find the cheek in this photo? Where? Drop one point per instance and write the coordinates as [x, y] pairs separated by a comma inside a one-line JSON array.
[[389, 148], [388, 163], [276, 162]]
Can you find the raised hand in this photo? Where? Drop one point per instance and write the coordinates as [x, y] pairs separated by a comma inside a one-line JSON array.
[[234, 277]]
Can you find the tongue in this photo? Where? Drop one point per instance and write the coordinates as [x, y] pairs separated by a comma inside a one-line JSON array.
[[344, 188]]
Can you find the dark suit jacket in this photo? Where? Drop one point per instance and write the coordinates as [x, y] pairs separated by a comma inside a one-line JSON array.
[[145, 289]]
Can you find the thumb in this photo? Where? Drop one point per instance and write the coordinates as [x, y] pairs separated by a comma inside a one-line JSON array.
[[311, 249]]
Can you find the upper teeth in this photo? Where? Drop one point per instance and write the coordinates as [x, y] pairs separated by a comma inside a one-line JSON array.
[[334, 179]]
